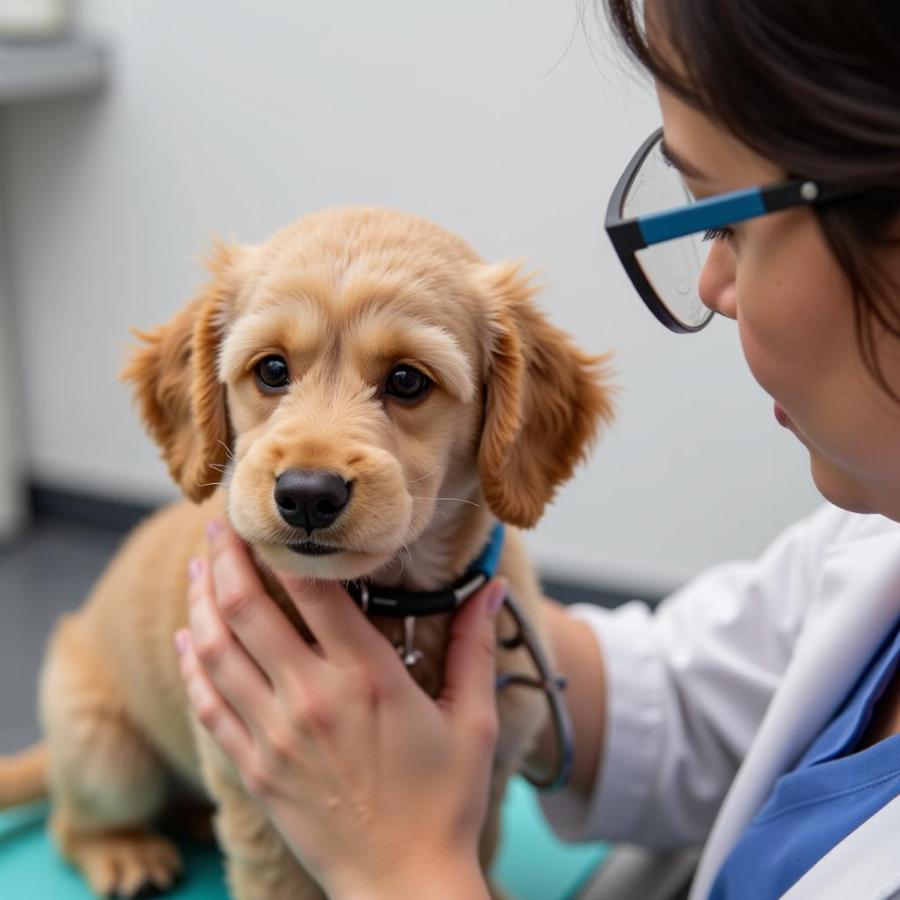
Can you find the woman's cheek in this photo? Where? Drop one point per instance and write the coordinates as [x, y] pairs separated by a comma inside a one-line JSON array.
[[756, 329], [775, 322], [754, 356]]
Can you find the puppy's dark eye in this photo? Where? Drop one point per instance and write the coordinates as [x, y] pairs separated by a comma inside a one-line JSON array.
[[272, 373], [407, 383]]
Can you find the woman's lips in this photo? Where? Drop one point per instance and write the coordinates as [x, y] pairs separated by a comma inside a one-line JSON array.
[[781, 417]]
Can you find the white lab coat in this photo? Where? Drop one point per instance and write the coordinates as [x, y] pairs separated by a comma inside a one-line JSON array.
[[719, 692]]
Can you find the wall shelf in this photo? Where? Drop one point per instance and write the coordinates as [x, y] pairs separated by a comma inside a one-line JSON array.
[[36, 71]]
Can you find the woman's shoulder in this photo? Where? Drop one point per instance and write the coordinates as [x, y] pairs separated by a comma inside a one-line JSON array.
[[847, 554], [829, 546], [832, 525]]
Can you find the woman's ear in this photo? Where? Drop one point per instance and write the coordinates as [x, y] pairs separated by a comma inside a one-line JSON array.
[[544, 401], [176, 380]]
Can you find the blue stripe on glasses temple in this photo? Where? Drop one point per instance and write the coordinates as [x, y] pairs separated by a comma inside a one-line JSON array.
[[713, 212]]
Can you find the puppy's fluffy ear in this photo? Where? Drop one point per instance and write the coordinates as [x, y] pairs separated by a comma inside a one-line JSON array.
[[545, 399], [177, 388]]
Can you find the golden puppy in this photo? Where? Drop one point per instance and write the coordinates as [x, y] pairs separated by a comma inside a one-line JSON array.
[[364, 398]]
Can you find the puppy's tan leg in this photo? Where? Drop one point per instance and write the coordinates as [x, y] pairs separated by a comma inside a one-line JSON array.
[[258, 863], [106, 782]]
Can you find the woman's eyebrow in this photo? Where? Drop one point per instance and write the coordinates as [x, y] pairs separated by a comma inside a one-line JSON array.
[[680, 163]]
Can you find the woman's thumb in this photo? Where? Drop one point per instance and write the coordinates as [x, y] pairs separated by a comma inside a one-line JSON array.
[[470, 671]]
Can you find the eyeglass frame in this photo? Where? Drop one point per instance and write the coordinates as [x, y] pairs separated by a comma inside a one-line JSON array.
[[636, 233]]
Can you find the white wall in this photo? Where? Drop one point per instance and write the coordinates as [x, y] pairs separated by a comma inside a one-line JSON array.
[[234, 118]]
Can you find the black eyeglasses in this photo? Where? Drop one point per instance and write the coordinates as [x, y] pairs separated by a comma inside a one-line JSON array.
[[662, 235]]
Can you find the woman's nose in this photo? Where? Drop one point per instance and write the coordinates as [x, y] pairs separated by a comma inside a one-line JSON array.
[[717, 281]]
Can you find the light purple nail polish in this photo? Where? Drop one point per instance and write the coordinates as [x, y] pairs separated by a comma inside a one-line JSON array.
[[195, 567], [496, 596], [213, 529], [182, 641]]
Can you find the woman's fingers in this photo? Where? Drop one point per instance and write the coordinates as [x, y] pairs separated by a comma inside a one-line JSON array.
[[219, 719], [235, 675], [245, 606], [471, 669], [339, 625]]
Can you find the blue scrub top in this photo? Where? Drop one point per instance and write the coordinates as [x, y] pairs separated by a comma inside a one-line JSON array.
[[830, 792]]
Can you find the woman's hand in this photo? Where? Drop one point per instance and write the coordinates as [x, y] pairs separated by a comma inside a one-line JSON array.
[[377, 788]]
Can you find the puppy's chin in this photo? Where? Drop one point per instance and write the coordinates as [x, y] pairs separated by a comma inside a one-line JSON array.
[[344, 565]]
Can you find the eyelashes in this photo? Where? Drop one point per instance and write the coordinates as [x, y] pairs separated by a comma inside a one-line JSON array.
[[717, 234]]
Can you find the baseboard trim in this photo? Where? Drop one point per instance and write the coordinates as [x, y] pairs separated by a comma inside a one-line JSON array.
[[93, 510]]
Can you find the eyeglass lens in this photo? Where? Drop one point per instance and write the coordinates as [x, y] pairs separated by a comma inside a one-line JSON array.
[[671, 268]]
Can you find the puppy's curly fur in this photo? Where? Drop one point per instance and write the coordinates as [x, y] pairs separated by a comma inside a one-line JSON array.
[[343, 297]]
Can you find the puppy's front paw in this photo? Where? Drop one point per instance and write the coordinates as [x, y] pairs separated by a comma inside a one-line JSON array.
[[127, 865]]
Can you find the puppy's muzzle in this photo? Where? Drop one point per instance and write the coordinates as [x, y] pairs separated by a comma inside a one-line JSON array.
[[310, 499]]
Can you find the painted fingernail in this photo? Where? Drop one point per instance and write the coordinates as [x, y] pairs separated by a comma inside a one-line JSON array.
[[496, 596], [182, 641], [195, 567], [213, 529]]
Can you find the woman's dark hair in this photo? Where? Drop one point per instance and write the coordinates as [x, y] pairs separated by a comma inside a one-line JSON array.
[[811, 85]]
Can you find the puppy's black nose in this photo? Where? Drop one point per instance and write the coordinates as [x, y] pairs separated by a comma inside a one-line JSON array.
[[310, 499]]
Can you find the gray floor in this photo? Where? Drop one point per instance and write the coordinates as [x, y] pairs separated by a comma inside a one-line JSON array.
[[48, 573]]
